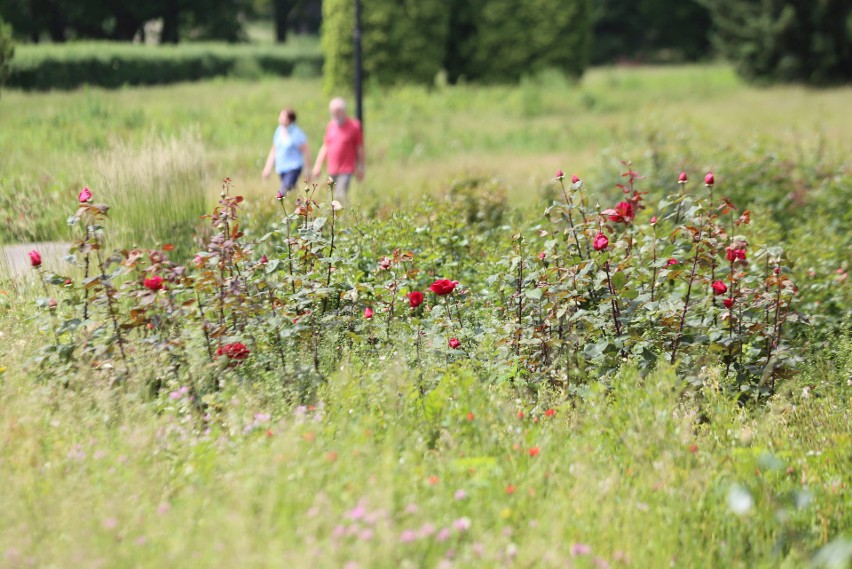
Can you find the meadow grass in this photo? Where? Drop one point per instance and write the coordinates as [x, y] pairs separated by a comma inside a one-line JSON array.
[[419, 139], [639, 470]]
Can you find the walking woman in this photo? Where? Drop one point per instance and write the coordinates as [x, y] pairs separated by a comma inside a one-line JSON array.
[[289, 153]]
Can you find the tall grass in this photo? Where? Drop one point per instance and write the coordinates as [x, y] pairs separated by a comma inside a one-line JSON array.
[[156, 190]]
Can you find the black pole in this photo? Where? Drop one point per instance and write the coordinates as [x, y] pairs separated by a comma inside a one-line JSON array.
[[359, 92]]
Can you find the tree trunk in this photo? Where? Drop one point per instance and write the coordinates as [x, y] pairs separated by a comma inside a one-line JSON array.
[[282, 16], [171, 14]]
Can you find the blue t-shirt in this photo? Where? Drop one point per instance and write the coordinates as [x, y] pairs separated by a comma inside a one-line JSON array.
[[287, 154]]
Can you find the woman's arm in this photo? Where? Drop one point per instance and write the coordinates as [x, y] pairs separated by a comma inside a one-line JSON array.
[[270, 162], [306, 153]]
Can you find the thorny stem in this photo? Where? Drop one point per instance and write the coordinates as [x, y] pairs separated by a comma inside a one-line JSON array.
[[571, 218], [677, 339], [289, 247], [204, 325], [654, 252], [111, 309], [616, 312]]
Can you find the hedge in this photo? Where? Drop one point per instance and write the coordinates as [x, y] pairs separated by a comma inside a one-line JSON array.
[[112, 64]]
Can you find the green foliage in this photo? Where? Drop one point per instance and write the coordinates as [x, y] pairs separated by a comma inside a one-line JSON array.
[[7, 50], [403, 41], [786, 40], [650, 30], [61, 20], [66, 66], [490, 41], [511, 40]]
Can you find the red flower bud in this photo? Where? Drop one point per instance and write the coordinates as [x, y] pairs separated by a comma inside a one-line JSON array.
[[654, 220], [559, 175], [671, 262], [85, 195], [280, 195], [534, 451], [415, 298], [682, 178], [550, 413], [601, 242], [368, 313], [35, 258], [709, 180], [454, 343], [51, 304], [728, 302], [719, 287], [575, 178], [443, 287], [542, 256], [264, 260]]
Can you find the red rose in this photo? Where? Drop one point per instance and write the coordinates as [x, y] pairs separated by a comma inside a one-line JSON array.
[[368, 313], [671, 262], [709, 180], [443, 287], [734, 254], [728, 302], [534, 451], [415, 298], [264, 260], [85, 195], [236, 352], [719, 287], [624, 212], [154, 283], [682, 179], [35, 258], [550, 413], [601, 242], [454, 343]]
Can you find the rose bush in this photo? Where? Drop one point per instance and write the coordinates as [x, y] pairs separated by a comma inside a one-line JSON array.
[[564, 303]]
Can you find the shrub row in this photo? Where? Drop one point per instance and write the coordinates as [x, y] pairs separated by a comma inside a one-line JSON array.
[[107, 64]]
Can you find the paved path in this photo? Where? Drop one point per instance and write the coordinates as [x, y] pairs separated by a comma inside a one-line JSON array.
[[15, 260]]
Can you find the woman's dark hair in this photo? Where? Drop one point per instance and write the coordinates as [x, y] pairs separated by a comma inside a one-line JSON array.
[[291, 114]]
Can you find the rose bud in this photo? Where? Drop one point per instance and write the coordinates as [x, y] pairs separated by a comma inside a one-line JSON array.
[[682, 178], [85, 195], [728, 302], [559, 175], [601, 242], [454, 343], [368, 313], [709, 179], [35, 258], [719, 287]]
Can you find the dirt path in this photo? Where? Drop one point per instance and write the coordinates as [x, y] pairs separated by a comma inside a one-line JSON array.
[[15, 261]]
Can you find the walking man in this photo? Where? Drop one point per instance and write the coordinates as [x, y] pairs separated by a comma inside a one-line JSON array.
[[289, 153], [343, 146]]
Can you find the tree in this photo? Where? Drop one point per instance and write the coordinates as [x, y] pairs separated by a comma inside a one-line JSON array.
[[7, 50], [404, 41], [512, 39], [649, 30], [808, 41]]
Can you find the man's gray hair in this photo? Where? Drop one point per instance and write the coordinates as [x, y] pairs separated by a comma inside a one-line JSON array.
[[337, 102]]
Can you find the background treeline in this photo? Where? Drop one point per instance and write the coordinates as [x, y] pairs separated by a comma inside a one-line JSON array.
[[488, 41]]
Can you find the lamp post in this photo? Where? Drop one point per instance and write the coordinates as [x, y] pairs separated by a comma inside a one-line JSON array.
[[359, 92]]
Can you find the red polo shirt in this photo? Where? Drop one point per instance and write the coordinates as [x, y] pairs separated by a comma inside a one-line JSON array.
[[341, 145]]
